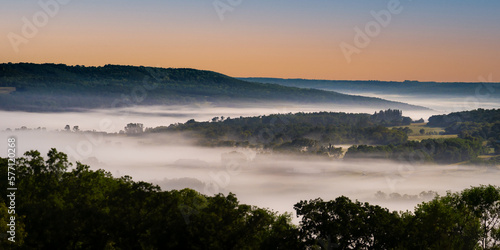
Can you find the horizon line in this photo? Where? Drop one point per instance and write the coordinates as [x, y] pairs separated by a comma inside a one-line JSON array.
[[256, 77]]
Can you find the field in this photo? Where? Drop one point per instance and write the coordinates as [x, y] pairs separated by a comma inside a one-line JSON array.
[[428, 132], [423, 137]]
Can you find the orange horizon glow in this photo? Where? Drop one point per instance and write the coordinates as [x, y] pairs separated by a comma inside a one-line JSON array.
[[245, 47]]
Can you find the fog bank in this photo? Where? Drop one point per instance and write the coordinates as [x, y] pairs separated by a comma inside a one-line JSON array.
[[273, 181], [114, 120]]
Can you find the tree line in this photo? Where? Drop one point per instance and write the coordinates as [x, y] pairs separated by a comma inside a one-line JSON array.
[[478, 116], [64, 206], [59, 87], [311, 130], [318, 133], [441, 151], [479, 123]]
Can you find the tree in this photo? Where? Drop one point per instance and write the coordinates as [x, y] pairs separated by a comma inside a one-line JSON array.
[[67, 127], [134, 128], [406, 121], [484, 202], [443, 223], [422, 131], [344, 224], [61, 207]]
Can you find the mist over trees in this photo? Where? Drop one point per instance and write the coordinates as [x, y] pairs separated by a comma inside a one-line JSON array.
[[485, 90], [58, 87], [442, 151], [480, 123], [477, 116], [61, 205], [318, 133], [311, 130]]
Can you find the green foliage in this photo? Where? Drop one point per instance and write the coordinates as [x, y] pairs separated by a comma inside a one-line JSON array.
[[483, 90], [489, 132], [61, 206], [391, 117], [477, 116], [58, 87], [484, 203], [466, 220], [480, 123], [64, 207], [407, 130], [443, 151], [315, 131], [344, 224], [443, 223]]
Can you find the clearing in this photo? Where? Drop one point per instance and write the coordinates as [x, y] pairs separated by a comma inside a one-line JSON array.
[[428, 132]]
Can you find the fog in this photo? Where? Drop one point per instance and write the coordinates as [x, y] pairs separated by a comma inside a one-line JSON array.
[[439, 103], [257, 178], [114, 120]]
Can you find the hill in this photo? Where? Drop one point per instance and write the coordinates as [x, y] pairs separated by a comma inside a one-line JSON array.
[[473, 116], [436, 89], [315, 131], [59, 87]]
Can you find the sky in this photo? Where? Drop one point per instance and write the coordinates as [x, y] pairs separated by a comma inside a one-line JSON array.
[[425, 40]]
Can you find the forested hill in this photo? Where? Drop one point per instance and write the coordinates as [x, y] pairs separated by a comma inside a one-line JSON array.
[[472, 116], [58, 87], [486, 89]]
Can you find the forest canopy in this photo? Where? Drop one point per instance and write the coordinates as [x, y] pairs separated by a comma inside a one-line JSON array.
[[318, 134], [59, 87], [321, 128], [61, 206]]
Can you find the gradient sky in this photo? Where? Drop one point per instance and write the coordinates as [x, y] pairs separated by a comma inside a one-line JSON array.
[[429, 40]]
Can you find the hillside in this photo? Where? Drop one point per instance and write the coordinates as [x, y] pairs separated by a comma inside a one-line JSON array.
[[58, 87], [472, 116], [291, 131], [448, 89]]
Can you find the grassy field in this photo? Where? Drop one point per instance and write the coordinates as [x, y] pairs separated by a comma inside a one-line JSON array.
[[428, 133], [486, 156], [423, 137], [7, 90]]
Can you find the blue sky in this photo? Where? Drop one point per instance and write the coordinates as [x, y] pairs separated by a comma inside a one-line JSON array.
[[428, 40]]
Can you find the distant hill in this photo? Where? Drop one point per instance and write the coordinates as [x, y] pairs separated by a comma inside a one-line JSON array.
[[58, 87], [447, 89], [472, 116]]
